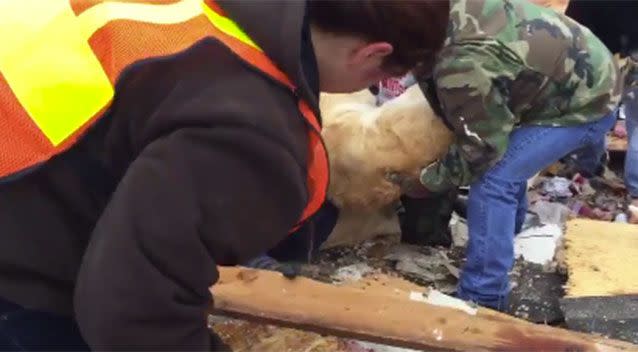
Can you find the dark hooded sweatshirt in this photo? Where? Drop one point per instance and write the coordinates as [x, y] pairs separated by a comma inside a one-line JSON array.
[[199, 161]]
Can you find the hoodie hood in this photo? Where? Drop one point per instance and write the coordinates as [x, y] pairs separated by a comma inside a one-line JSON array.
[[277, 26]]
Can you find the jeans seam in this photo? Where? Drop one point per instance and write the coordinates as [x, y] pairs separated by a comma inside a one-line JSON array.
[[513, 151], [482, 241]]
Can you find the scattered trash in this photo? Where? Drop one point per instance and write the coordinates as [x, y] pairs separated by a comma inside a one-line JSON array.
[[620, 130], [458, 230], [580, 209], [610, 180], [351, 273], [607, 202], [426, 266], [244, 336], [621, 217], [550, 212], [538, 244], [364, 346], [557, 187], [581, 185], [451, 268], [531, 220], [409, 260]]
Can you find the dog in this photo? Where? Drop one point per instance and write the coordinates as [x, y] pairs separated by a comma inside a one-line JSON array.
[[365, 144]]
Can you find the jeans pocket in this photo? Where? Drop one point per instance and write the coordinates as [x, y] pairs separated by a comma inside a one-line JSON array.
[[522, 143]]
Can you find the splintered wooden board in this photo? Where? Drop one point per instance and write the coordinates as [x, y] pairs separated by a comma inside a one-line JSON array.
[[385, 312], [602, 258]]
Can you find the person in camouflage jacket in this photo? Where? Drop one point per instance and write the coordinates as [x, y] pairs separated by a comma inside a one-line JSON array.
[[521, 86]]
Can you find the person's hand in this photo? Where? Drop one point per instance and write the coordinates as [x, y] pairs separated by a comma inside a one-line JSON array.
[[266, 262]]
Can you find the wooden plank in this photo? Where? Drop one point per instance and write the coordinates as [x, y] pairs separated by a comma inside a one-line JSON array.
[[601, 258], [386, 314]]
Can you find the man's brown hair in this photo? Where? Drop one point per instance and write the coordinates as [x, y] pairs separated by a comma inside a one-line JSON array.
[[415, 28]]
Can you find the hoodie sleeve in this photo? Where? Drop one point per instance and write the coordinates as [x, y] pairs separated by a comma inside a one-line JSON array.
[[191, 200], [472, 83]]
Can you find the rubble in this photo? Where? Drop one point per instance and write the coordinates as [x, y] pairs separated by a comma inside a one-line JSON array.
[[243, 336], [550, 212], [538, 244], [536, 293], [383, 309], [429, 266], [458, 231], [557, 187], [354, 272], [611, 180], [610, 316], [363, 346], [538, 276]]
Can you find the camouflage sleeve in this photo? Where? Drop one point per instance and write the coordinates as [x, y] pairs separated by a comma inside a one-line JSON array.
[[630, 70], [472, 87]]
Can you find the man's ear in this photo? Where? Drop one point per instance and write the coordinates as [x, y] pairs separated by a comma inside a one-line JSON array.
[[370, 53]]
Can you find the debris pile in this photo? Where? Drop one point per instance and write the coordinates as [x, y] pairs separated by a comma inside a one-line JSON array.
[[557, 196]]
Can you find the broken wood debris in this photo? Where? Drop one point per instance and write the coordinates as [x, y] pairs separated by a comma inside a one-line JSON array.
[[243, 336], [426, 264], [602, 288], [386, 314], [601, 258]]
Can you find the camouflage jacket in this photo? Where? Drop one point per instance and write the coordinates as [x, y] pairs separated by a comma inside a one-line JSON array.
[[508, 63], [629, 70]]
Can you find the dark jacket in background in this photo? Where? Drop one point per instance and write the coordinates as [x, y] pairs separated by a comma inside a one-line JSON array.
[[612, 21], [200, 160]]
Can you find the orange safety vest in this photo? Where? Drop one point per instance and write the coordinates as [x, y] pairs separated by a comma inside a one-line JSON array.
[[59, 61]]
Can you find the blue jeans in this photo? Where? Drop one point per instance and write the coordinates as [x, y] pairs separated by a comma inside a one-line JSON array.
[[631, 157], [24, 329], [498, 202]]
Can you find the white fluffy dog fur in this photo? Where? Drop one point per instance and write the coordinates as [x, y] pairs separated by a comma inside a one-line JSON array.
[[364, 143]]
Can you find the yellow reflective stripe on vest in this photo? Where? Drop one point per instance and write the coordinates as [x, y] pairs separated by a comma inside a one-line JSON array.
[[48, 63], [46, 59], [228, 26]]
